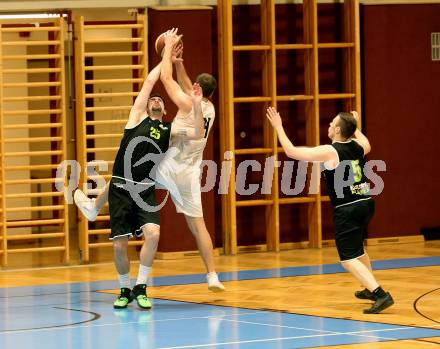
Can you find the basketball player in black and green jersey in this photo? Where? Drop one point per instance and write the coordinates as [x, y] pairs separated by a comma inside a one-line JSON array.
[[353, 207], [132, 201]]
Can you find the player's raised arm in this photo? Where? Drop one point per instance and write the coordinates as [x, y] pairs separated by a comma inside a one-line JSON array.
[[140, 104], [319, 153], [177, 95], [182, 76], [360, 137]]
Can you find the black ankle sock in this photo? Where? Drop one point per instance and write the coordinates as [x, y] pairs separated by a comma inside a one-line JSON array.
[[379, 292]]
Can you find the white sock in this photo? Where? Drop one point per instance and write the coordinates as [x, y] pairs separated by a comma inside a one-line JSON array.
[[143, 274], [124, 280]]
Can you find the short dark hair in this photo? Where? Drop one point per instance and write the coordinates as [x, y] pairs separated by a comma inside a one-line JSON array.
[[347, 124], [208, 83], [156, 95]]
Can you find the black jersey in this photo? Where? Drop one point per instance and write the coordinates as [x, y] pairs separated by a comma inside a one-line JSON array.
[[141, 149], [347, 183]]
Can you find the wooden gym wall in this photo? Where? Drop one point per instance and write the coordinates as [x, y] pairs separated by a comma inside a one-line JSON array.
[[307, 106], [90, 145], [399, 93], [110, 67], [33, 140]]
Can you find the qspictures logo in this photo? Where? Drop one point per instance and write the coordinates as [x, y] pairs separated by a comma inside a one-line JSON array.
[[181, 178]]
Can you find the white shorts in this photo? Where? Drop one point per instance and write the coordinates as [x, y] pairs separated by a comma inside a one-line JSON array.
[[183, 183]]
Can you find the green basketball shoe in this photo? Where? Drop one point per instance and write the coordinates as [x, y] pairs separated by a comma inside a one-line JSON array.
[[140, 294], [124, 299]]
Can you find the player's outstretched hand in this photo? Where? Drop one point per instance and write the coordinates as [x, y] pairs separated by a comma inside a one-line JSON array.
[[177, 53], [171, 38], [356, 117], [196, 93], [355, 114], [274, 117]]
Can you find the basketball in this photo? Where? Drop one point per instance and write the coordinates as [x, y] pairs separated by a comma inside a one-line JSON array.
[[160, 44]]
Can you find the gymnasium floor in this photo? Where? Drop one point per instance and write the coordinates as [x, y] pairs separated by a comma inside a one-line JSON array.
[[291, 299]]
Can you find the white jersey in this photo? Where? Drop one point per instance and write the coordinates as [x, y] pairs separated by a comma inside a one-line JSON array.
[[191, 151], [179, 171]]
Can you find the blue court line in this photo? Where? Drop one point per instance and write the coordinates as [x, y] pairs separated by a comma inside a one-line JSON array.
[[224, 276], [293, 271]]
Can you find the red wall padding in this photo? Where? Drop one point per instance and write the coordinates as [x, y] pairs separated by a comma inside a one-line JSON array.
[[401, 107]]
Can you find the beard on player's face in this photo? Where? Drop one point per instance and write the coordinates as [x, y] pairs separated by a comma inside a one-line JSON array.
[[156, 110]]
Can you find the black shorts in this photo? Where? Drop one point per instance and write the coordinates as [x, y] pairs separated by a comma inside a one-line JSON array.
[[351, 223], [126, 216]]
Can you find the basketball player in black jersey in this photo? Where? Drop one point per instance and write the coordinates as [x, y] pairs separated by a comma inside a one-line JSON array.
[[131, 195], [349, 195]]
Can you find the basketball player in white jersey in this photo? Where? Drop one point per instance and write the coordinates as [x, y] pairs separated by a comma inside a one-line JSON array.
[[179, 172]]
